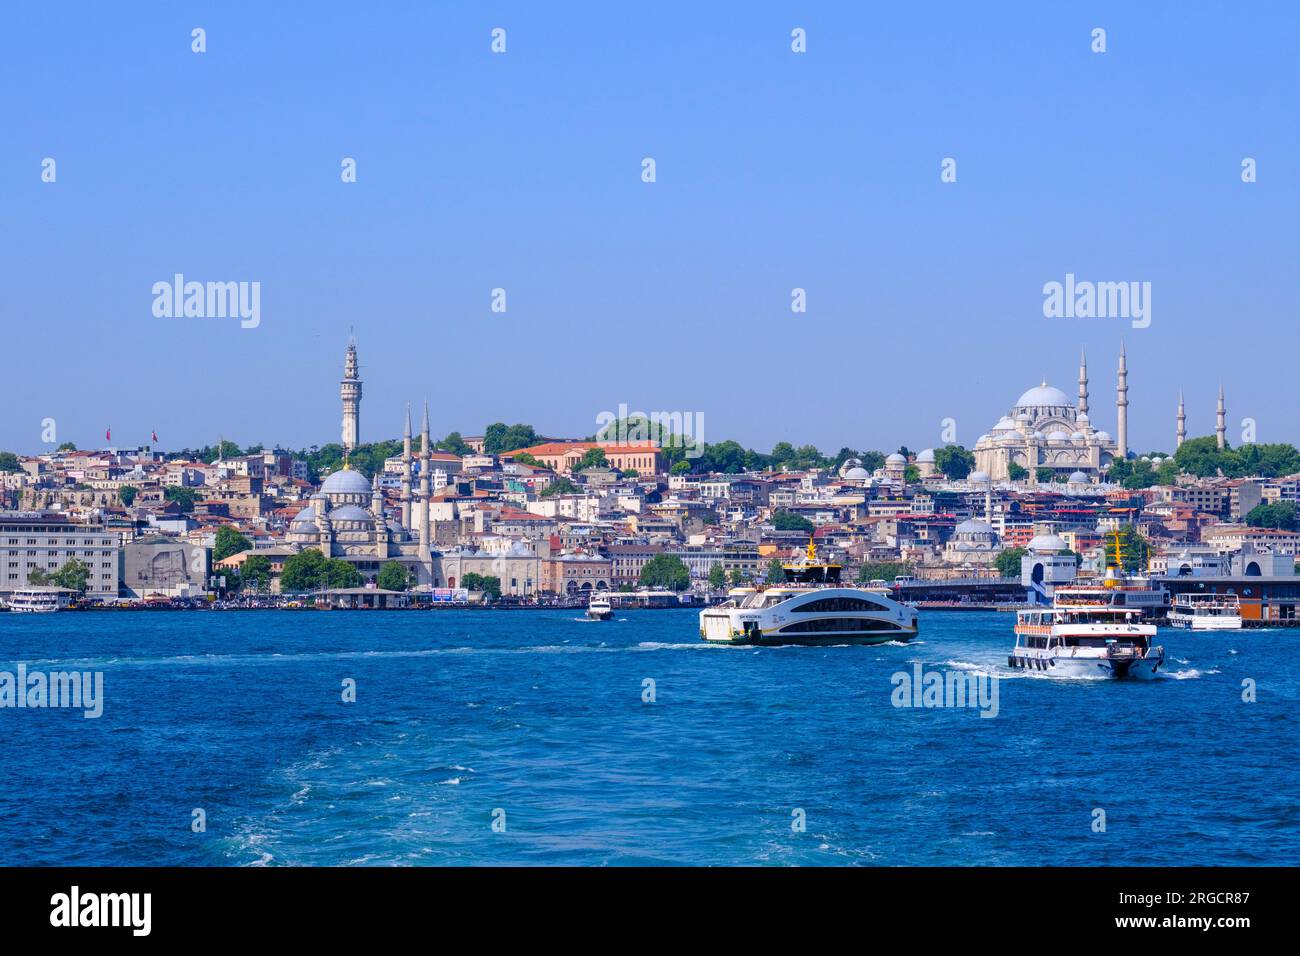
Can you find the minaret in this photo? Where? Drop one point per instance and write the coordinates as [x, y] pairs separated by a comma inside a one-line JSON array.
[[406, 470], [1221, 422], [1182, 423], [425, 495], [1121, 406], [1083, 384], [350, 392]]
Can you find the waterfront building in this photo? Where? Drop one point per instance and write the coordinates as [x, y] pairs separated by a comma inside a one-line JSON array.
[[31, 541], [162, 566]]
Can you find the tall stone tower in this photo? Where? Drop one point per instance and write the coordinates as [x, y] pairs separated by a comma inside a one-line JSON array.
[[350, 392], [1121, 407], [1182, 422], [1221, 422]]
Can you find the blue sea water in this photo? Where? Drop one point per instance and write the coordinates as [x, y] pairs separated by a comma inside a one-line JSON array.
[[537, 719]]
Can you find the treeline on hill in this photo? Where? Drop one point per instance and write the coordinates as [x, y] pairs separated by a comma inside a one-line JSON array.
[[1200, 457]]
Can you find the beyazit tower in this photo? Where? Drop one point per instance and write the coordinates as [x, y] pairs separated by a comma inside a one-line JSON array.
[[350, 392]]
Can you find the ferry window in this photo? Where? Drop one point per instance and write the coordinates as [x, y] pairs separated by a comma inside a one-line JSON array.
[[839, 604], [847, 625]]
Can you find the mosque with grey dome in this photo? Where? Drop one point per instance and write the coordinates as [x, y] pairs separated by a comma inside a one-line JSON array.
[[348, 518], [1046, 429]]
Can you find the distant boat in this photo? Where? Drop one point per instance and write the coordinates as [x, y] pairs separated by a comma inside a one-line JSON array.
[[599, 609], [1206, 612]]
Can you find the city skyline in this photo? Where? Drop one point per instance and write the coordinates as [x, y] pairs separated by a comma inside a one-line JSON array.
[[522, 171]]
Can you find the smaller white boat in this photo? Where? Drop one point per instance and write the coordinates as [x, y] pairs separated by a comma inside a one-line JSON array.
[[37, 599], [1206, 612], [599, 609]]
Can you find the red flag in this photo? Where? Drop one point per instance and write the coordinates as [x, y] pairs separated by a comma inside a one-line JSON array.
[[155, 435], [108, 434]]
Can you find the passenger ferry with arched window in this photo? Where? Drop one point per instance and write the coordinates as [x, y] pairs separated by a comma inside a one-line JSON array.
[[809, 607]]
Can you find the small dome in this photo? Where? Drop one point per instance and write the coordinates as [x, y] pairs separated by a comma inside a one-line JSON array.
[[1102, 436], [1077, 436], [1043, 395], [974, 526], [1040, 436], [1078, 478], [350, 513], [857, 474], [978, 477], [1047, 542], [926, 456], [305, 516], [896, 459], [1004, 424], [346, 482], [983, 438], [1058, 435]]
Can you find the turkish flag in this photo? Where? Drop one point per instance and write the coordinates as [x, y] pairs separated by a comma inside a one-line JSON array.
[[108, 434], [155, 435]]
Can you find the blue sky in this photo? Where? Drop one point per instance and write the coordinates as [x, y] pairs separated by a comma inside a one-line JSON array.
[[522, 171]]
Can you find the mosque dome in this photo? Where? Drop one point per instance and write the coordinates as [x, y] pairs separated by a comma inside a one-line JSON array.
[[978, 477], [973, 526], [895, 459], [1058, 435], [1040, 436], [857, 474], [1043, 394], [346, 482], [1047, 542], [1004, 424], [1103, 436], [351, 513], [926, 456], [305, 516], [1077, 436], [1078, 477]]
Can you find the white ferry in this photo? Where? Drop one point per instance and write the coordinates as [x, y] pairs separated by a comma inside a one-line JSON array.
[[599, 609], [809, 607], [1206, 612], [1086, 633], [39, 599]]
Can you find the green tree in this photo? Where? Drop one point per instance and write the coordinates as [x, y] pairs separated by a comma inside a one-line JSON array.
[[500, 437], [67, 446], [789, 521], [126, 494], [394, 576], [1281, 514], [737, 578], [717, 577], [228, 542], [524, 458], [489, 584], [9, 462], [255, 572], [304, 571], [955, 461], [680, 468], [1045, 475], [74, 576], [453, 444], [185, 497], [1014, 472], [560, 486], [593, 458], [342, 574], [1008, 562], [775, 573], [911, 474], [631, 473], [1135, 548], [666, 571]]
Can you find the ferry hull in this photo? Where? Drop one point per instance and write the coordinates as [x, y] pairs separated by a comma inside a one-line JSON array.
[[1137, 668], [812, 640]]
